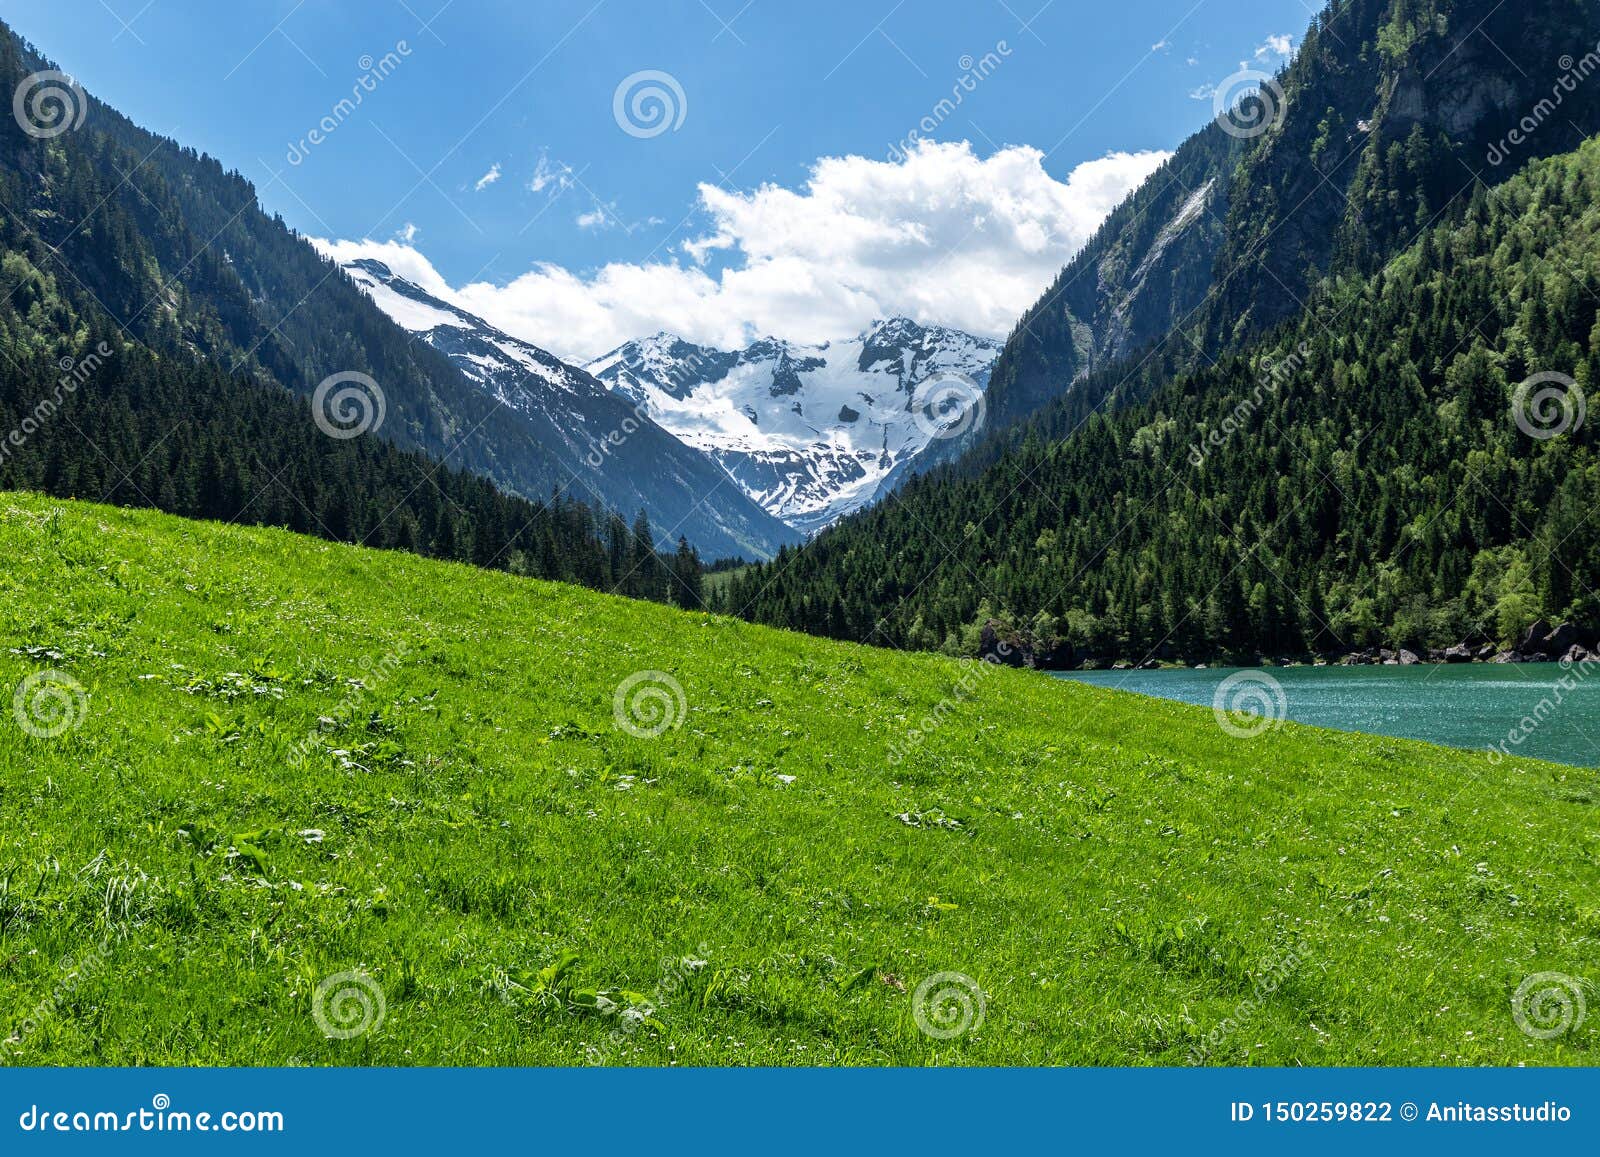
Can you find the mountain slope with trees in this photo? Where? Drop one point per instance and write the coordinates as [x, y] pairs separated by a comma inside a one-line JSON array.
[[120, 384], [1389, 113], [182, 256], [1363, 476]]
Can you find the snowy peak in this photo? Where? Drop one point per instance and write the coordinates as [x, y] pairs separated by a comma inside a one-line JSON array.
[[810, 432], [487, 355], [913, 352], [611, 452], [663, 362]]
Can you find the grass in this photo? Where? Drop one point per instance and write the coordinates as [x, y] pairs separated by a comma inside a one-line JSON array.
[[297, 761]]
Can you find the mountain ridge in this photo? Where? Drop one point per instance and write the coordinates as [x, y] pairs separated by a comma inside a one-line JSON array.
[[148, 366], [611, 450], [207, 268], [811, 432], [1387, 112]]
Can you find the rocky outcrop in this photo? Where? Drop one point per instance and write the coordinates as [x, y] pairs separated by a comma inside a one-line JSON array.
[[994, 649], [1542, 643], [1533, 639]]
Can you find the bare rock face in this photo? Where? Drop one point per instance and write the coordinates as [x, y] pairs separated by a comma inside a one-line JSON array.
[[1561, 640], [1457, 96], [1534, 637], [1460, 653], [1543, 643]]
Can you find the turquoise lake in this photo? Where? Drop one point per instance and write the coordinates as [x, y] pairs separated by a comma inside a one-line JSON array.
[[1466, 705]]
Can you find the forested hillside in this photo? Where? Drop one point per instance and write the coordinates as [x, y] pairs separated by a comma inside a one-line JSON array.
[[1389, 114], [1376, 471], [136, 366]]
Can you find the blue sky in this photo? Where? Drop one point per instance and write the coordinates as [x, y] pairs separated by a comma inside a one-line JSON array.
[[491, 149]]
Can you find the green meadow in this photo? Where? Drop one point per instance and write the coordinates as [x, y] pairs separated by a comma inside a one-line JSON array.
[[267, 800]]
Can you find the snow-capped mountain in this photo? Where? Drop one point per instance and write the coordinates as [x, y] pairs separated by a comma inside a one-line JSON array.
[[812, 433], [616, 455]]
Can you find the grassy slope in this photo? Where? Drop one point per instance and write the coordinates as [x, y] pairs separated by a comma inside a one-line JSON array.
[[1123, 873]]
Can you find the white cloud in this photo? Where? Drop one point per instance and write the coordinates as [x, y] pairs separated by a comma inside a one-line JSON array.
[[942, 236], [1162, 45], [1275, 50], [599, 218], [407, 232], [488, 178], [557, 176]]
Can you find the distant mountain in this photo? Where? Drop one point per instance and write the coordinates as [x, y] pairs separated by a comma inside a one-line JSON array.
[[613, 454], [812, 433]]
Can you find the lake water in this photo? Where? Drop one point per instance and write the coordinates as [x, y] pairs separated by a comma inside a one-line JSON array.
[[1465, 705]]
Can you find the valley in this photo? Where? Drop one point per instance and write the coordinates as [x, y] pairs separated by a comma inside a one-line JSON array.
[[383, 689]]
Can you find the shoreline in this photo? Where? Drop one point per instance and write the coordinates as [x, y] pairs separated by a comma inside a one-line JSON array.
[[1565, 644]]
